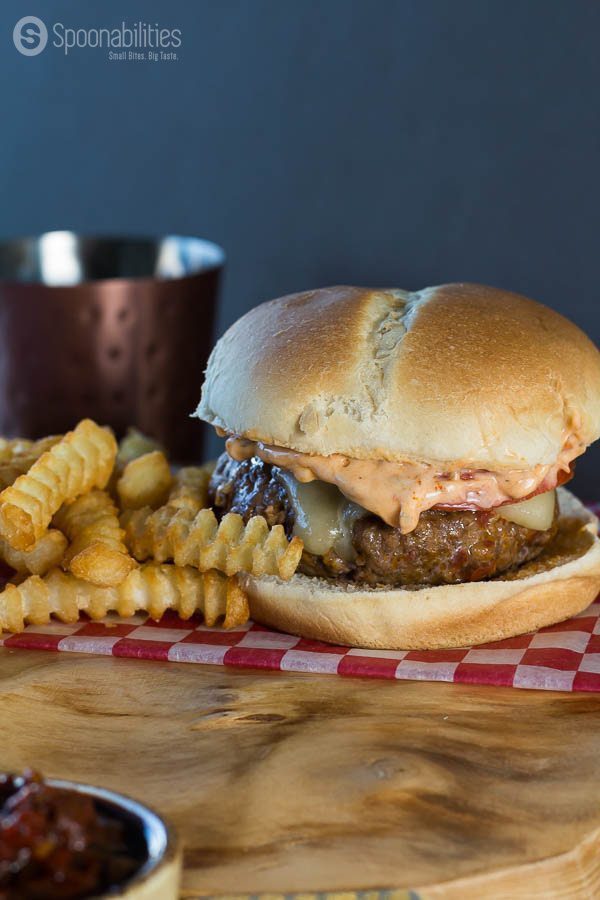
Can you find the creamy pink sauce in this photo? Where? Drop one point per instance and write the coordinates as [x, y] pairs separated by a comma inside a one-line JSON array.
[[399, 492]]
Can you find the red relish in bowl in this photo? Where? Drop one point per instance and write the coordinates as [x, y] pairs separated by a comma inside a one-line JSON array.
[[60, 844]]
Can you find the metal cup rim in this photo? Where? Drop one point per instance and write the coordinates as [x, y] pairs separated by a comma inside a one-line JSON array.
[[209, 257]]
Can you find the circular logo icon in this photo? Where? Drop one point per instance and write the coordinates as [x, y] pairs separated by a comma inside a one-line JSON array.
[[30, 35]]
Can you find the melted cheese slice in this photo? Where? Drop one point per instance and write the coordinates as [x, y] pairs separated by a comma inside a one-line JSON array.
[[324, 517], [536, 513]]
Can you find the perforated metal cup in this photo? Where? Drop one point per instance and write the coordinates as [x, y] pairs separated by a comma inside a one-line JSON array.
[[117, 329]]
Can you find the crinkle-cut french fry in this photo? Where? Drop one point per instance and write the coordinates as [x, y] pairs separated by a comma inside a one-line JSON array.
[[190, 489], [10, 470], [18, 455], [157, 587], [12, 446], [44, 555], [152, 588], [34, 449], [145, 481], [97, 552], [135, 444], [81, 460], [189, 493], [202, 542], [132, 446]]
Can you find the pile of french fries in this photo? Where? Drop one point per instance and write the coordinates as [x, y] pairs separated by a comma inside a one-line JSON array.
[[89, 526]]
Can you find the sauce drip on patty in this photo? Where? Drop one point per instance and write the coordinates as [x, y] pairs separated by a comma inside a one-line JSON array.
[[399, 492], [446, 547]]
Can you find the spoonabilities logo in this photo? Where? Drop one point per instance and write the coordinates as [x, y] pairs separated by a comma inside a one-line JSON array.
[[30, 35], [126, 41]]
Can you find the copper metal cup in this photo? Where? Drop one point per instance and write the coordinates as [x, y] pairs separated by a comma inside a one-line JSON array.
[[117, 329]]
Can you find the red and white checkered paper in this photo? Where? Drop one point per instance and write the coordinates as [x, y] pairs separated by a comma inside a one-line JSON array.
[[564, 657]]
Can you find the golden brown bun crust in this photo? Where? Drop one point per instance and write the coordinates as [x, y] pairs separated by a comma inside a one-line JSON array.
[[459, 372], [556, 586]]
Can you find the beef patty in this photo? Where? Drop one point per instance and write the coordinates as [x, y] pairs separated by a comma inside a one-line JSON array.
[[446, 547]]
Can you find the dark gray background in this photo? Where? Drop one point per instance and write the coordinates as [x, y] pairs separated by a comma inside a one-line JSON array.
[[405, 142]]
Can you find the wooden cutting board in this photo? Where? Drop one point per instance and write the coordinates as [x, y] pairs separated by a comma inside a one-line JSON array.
[[282, 783]]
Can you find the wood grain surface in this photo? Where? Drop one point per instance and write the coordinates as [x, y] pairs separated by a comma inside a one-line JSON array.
[[301, 783]]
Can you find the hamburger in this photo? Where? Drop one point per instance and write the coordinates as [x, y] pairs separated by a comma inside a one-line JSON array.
[[419, 444]]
